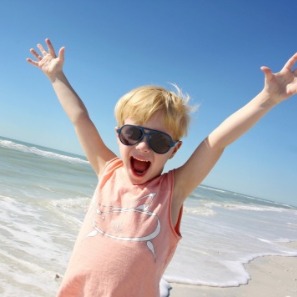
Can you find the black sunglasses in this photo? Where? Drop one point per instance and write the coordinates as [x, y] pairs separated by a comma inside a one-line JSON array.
[[159, 142]]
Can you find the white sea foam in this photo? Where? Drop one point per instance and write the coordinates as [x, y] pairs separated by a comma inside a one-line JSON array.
[[18, 274], [43, 201], [221, 244], [260, 208], [40, 152], [201, 211], [79, 203], [72, 210]]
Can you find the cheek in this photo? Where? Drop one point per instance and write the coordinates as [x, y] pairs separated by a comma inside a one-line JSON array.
[[124, 150], [160, 160]]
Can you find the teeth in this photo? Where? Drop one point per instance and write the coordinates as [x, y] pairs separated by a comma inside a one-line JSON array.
[[140, 160]]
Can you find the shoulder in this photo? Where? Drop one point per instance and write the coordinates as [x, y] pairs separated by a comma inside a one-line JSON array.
[[165, 180], [109, 169]]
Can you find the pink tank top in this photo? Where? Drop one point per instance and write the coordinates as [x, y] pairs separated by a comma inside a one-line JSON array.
[[127, 238]]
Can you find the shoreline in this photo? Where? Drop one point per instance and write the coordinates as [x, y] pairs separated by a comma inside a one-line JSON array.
[[273, 276]]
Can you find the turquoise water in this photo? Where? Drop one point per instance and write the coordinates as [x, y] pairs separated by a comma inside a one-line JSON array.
[[43, 197]]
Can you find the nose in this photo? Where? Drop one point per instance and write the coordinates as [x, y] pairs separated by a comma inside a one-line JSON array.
[[143, 145]]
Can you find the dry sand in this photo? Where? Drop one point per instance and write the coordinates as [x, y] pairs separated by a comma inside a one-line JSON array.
[[271, 276]]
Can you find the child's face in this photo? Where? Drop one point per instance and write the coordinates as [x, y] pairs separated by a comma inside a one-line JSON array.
[[140, 161]]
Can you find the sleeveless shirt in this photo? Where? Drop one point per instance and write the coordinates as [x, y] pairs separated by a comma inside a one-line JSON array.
[[127, 238]]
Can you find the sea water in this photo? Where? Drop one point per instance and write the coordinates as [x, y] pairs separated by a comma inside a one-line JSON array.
[[44, 195]]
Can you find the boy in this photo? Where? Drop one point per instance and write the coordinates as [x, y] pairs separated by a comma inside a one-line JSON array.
[[131, 230]]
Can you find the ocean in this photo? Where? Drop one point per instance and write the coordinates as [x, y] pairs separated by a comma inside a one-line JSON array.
[[44, 194]]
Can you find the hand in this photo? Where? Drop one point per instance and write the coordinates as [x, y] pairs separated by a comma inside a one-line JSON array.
[[47, 61], [283, 84]]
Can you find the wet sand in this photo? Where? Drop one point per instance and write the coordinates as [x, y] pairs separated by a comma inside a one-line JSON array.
[[273, 276]]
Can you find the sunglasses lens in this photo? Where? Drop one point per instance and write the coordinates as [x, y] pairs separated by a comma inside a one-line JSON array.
[[130, 135], [160, 142]]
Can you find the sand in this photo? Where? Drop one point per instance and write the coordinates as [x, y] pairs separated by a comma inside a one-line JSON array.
[[271, 276]]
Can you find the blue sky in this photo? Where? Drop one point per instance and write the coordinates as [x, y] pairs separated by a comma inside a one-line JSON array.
[[212, 49]]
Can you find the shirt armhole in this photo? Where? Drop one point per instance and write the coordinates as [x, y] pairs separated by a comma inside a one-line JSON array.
[[177, 226]]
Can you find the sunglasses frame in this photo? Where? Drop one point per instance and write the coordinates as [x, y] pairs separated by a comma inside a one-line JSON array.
[[148, 135]]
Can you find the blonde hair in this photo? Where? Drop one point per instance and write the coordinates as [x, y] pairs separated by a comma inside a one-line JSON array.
[[142, 103]]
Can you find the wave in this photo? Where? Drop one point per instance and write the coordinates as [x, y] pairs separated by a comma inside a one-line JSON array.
[[71, 203], [40, 151], [206, 205], [211, 197], [225, 273], [199, 211], [209, 208], [257, 208]]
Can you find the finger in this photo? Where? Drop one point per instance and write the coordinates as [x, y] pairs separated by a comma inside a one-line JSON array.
[[41, 48], [50, 47], [267, 72], [290, 63], [61, 53], [35, 54], [30, 61]]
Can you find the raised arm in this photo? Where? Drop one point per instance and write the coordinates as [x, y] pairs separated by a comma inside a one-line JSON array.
[[278, 87], [52, 66]]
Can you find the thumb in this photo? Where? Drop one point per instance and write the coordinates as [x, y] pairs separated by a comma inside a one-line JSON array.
[[267, 72], [61, 54]]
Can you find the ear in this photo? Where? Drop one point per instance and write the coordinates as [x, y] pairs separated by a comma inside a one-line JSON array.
[[116, 133], [176, 148]]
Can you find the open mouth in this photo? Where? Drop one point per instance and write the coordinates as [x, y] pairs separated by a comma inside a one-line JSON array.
[[139, 167]]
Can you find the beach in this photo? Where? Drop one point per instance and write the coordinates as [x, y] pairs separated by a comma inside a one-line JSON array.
[[232, 244], [273, 276]]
